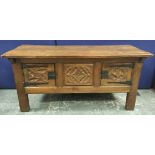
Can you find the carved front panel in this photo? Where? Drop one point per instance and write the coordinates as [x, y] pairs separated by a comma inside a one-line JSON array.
[[35, 74], [116, 74], [78, 74]]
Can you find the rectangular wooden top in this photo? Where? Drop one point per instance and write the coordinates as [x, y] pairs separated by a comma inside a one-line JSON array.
[[38, 51]]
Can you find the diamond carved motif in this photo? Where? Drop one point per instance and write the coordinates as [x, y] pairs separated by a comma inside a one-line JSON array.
[[78, 74]]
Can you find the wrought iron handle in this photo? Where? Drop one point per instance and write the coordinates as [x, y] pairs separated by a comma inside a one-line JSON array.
[[51, 75], [104, 74]]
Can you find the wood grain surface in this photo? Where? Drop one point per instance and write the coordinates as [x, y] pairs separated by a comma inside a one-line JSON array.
[[37, 51], [76, 69]]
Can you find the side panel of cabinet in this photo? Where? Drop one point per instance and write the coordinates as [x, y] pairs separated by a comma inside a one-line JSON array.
[[116, 74], [39, 74]]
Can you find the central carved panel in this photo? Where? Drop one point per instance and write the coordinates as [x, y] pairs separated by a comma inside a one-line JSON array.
[[78, 74]]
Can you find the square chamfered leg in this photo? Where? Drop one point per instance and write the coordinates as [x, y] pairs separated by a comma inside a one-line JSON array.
[[19, 79], [131, 96], [23, 98]]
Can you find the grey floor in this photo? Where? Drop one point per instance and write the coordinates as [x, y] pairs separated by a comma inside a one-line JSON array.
[[77, 104]]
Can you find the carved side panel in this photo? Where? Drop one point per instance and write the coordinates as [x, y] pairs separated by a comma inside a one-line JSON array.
[[78, 74], [36, 74], [116, 74]]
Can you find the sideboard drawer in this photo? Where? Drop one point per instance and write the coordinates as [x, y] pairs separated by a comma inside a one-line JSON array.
[[116, 73], [39, 74]]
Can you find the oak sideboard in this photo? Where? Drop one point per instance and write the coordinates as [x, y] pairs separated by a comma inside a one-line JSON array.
[[76, 69]]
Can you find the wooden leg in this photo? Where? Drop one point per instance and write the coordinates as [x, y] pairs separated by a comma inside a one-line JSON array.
[[130, 101], [23, 98], [131, 96], [19, 79]]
